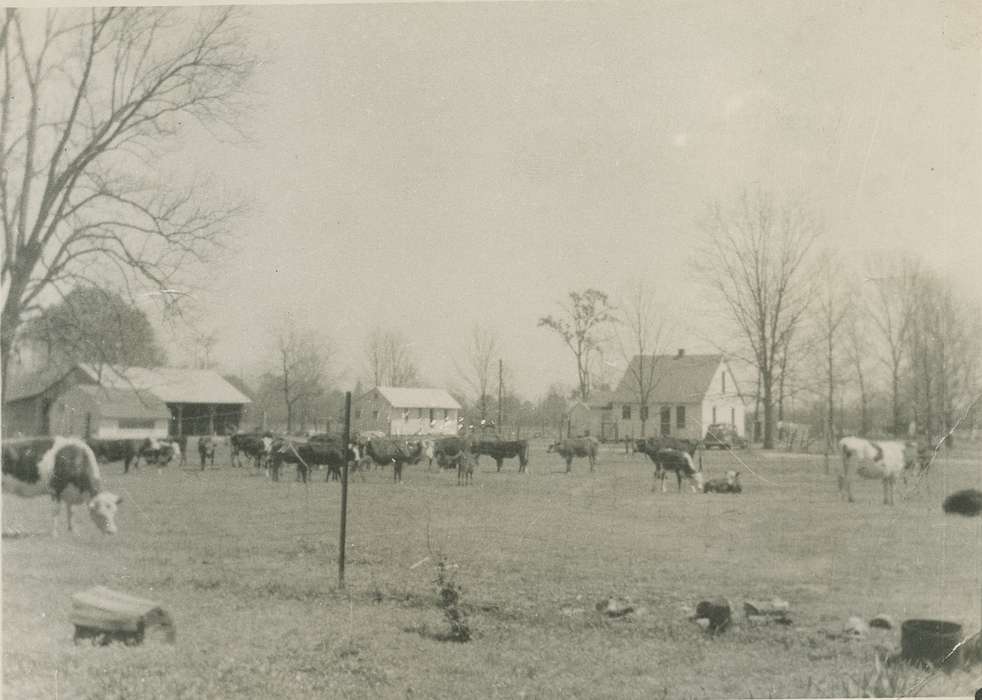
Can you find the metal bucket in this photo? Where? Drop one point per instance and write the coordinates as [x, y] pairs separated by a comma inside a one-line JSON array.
[[930, 641]]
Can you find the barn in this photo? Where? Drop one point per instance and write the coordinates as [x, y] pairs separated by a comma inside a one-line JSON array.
[[689, 393], [406, 411], [88, 410], [198, 401]]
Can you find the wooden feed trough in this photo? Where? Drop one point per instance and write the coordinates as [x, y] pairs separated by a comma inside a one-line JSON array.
[[108, 616]]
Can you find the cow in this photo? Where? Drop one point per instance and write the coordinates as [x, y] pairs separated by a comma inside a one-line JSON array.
[[577, 447], [465, 468], [729, 484], [305, 454], [182, 442], [109, 450], [384, 451], [499, 450], [64, 468], [449, 451], [668, 459], [884, 459], [256, 446], [158, 451], [206, 450]]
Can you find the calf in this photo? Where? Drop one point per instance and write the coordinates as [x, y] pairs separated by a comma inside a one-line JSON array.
[[577, 447], [64, 468], [885, 460], [729, 484], [206, 450]]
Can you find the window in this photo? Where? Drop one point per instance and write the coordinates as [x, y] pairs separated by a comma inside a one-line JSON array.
[[626, 412], [375, 414], [680, 416], [136, 423], [446, 413], [405, 415], [644, 413], [666, 420], [724, 382]]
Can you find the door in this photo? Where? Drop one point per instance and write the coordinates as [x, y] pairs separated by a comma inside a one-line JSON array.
[[666, 420]]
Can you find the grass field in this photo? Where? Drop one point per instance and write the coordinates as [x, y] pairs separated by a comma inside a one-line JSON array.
[[247, 568]]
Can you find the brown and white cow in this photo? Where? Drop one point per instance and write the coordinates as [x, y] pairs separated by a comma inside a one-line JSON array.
[[587, 447], [64, 468]]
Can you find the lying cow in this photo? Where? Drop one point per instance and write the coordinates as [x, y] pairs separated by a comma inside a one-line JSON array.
[[729, 484], [385, 451], [159, 452], [65, 468], [569, 448], [499, 450], [206, 450], [884, 459]]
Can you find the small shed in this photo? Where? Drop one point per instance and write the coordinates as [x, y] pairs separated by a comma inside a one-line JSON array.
[[406, 411], [109, 413]]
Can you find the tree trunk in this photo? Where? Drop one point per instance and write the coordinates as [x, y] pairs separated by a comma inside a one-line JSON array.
[[898, 429], [767, 379]]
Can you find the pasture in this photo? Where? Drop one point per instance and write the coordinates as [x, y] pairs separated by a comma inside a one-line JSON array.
[[248, 570]]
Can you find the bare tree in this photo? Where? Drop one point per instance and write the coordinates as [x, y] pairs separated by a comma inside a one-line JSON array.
[[390, 360], [302, 364], [891, 287], [832, 307], [479, 371], [642, 328], [581, 326], [857, 347], [754, 258], [89, 98]]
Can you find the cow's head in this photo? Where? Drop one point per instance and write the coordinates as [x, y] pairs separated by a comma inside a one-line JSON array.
[[699, 482], [102, 509]]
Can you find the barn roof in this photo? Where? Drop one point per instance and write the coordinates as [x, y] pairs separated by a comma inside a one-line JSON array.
[[412, 397], [25, 385], [171, 385], [678, 378], [124, 403]]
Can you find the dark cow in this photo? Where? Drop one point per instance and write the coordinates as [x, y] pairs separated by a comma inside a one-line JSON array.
[[449, 451], [109, 450], [206, 450], [499, 450], [396, 452], [158, 452], [65, 468], [256, 446], [577, 447], [327, 450]]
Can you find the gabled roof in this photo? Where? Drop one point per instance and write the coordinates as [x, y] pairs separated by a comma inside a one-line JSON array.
[[125, 403], [169, 384], [411, 397], [677, 378]]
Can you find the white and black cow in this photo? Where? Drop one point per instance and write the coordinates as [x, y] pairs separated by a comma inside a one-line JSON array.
[[64, 468], [882, 459]]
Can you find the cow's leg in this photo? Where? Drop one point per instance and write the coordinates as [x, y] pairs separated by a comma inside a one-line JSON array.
[[888, 490], [569, 463], [664, 477], [55, 513], [499, 461]]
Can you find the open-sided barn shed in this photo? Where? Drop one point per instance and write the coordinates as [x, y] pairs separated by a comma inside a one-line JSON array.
[[198, 402]]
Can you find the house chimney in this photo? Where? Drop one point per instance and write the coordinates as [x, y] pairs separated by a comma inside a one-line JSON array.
[[681, 353]]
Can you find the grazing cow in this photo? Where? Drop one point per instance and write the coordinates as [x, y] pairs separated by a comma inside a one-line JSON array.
[[256, 446], [729, 484], [450, 450], [667, 460], [465, 468], [65, 468], [577, 447], [885, 460], [206, 450], [305, 454], [107, 450], [499, 450], [396, 452]]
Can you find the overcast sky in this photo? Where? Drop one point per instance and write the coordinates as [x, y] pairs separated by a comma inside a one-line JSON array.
[[426, 167]]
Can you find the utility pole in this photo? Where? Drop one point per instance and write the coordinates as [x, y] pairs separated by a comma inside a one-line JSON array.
[[346, 440], [500, 391]]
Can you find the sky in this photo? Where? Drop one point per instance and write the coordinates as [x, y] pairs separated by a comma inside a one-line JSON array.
[[426, 167]]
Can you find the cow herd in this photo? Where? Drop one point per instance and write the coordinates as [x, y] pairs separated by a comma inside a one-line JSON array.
[[67, 469]]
